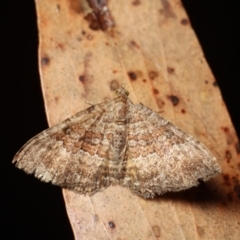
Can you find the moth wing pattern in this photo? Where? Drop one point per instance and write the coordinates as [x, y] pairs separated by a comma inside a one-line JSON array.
[[161, 157]]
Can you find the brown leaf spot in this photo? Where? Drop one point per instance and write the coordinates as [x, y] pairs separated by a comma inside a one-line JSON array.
[[95, 218], [136, 2], [206, 81], [238, 147], [226, 179], [89, 37], [132, 76], [134, 44], [115, 71], [235, 179], [69, 32], [237, 190], [160, 103], [225, 129], [200, 231], [153, 74], [56, 99], [111, 224], [215, 84], [170, 70], [229, 138], [82, 78], [58, 7], [114, 84], [167, 10], [156, 230], [144, 80], [61, 46], [83, 32], [45, 61], [174, 99], [184, 21], [155, 91], [228, 155], [183, 111]]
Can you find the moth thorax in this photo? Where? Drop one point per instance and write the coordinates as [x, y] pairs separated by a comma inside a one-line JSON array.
[[120, 111]]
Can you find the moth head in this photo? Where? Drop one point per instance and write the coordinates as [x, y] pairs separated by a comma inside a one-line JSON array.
[[122, 92]]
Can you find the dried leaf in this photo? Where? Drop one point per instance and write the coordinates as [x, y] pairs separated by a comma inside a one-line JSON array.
[[154, 51]]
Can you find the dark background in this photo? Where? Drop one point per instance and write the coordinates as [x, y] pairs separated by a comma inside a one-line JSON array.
[[29, 208]]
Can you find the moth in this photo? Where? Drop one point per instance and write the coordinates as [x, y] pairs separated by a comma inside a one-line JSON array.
[[117, 142]]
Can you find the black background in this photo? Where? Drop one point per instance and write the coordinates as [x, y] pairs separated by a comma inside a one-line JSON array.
[[31, 209]]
